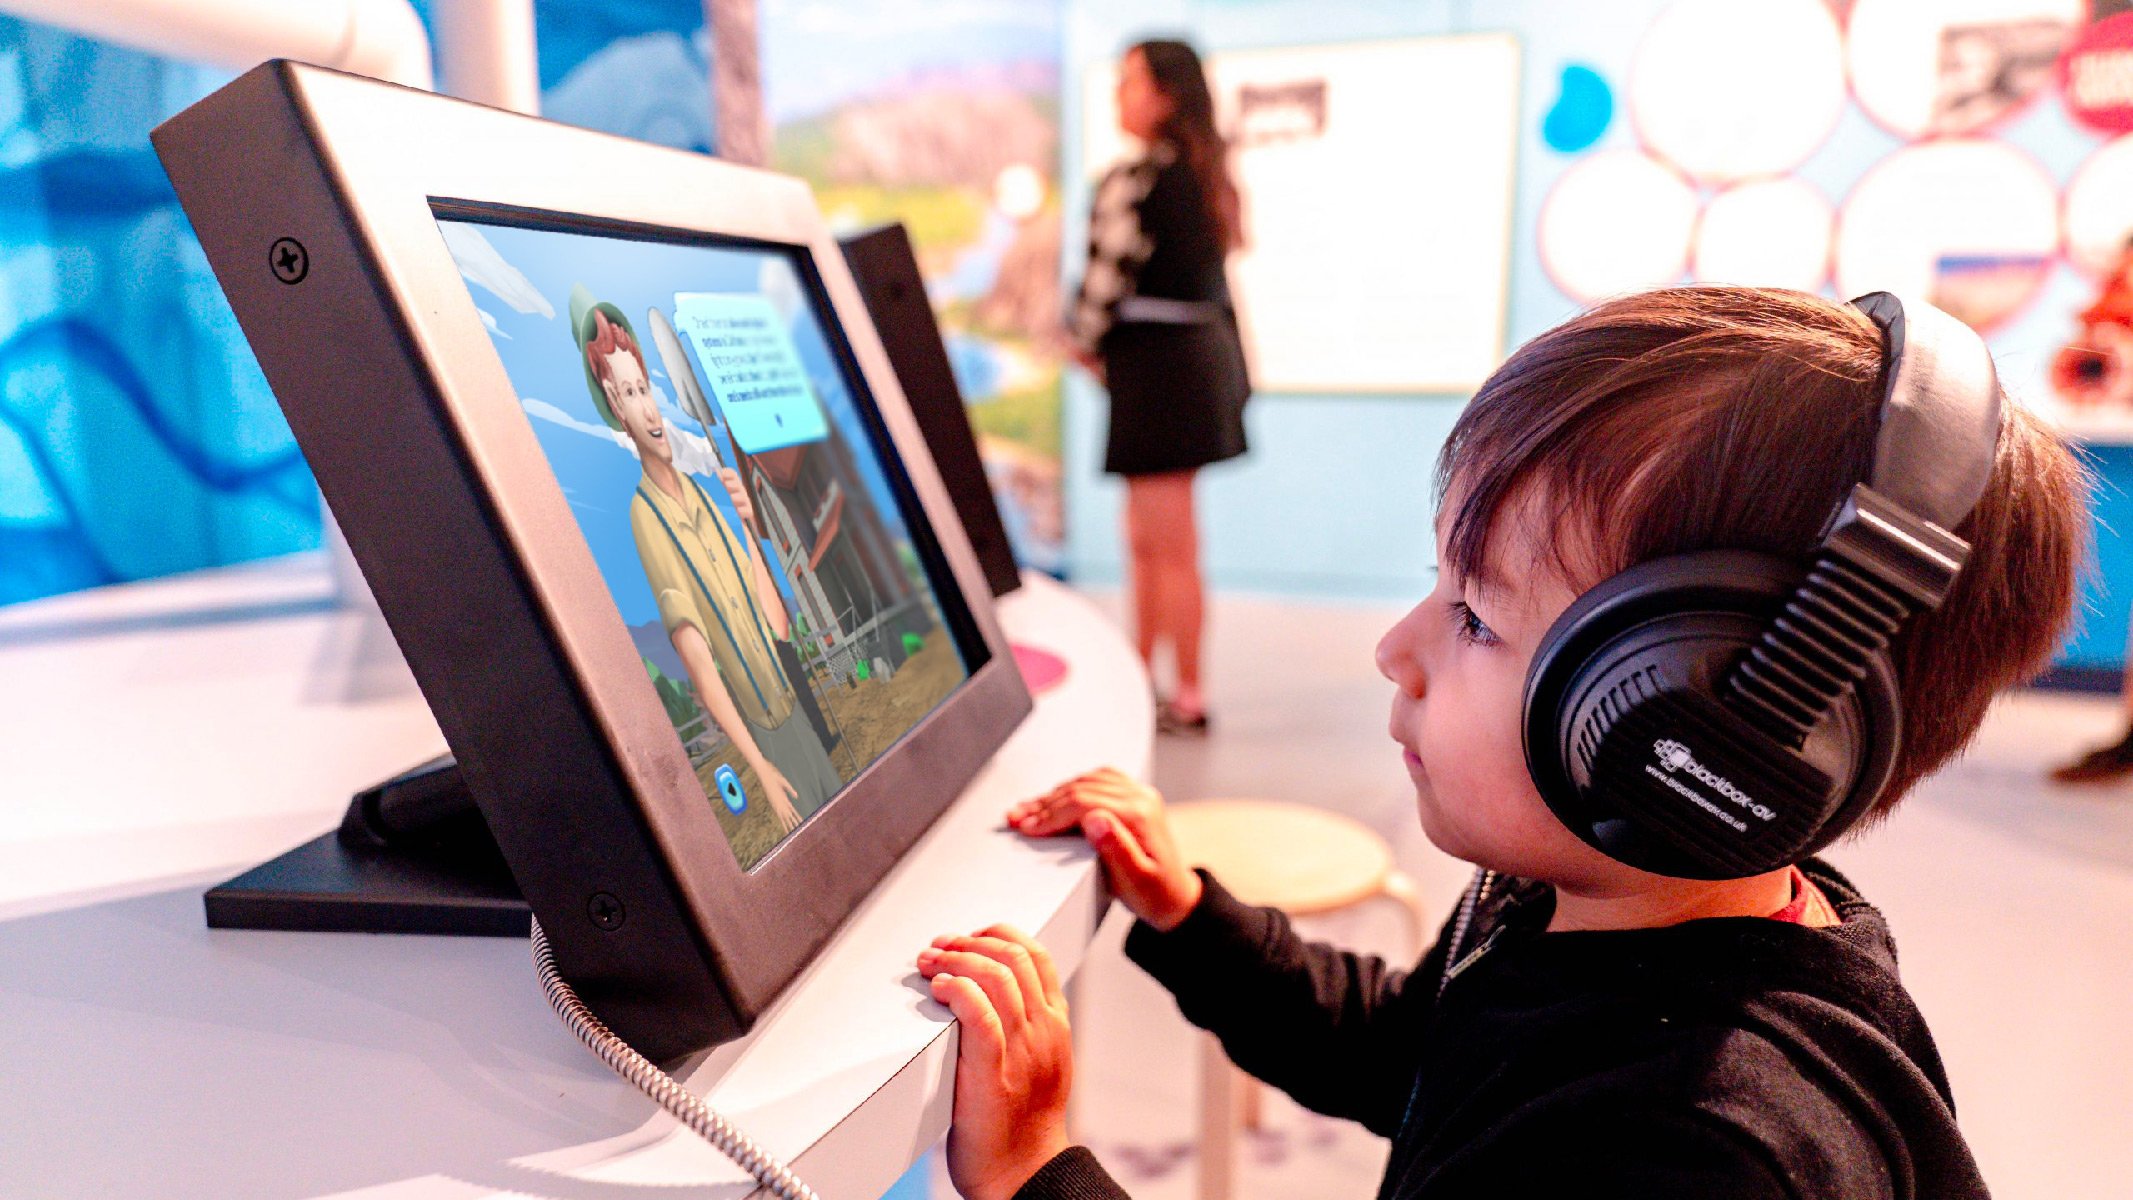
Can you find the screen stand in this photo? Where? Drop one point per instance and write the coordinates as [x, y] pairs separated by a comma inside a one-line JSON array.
[[412, 855]]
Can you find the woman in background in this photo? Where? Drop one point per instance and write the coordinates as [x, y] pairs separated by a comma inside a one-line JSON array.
[[1153, 321]]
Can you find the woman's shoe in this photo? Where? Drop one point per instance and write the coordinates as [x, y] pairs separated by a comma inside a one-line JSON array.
[[2100, 765], [1174, 721]]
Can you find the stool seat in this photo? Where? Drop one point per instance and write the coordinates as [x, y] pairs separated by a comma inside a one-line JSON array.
[[1275, 854]]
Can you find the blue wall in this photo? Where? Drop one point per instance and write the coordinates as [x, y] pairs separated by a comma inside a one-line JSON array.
[[136, 434], [1334, 499]]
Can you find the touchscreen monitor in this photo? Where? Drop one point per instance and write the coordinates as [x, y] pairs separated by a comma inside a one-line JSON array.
[[709, 440], [629, 472]]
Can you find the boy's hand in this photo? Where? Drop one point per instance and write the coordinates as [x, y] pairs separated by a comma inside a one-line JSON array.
[[1124, 821], [1016, 1059]]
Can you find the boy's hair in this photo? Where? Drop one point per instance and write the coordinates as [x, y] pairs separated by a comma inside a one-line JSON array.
[[1692, 419]]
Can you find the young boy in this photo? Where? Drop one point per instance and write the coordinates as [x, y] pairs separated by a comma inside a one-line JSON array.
[[1581, 1027]]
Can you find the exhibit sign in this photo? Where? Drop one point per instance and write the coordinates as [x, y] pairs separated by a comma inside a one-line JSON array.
[[1378, 233]]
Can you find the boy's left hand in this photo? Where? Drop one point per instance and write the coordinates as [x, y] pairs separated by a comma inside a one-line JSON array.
[[1016, 1061]]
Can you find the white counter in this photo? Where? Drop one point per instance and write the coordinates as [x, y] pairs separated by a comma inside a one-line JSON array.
[[155, 739]]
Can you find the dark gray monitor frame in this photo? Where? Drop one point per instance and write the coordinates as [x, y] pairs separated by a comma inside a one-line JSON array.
[[885, 266], [426, 460]]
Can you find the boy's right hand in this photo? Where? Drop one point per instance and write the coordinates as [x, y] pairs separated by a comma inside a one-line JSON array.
[[1124, 821]]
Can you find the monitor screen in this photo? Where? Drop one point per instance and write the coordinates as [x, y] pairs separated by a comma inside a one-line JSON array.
[[730, 474]]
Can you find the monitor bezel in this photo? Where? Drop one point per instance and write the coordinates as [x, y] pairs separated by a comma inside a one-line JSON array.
[[885, 268], [361, 168]]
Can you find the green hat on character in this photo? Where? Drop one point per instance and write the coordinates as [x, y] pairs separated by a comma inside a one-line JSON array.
[[582, 327]]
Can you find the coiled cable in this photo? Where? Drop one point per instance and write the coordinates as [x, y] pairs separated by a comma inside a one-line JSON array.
[[660, 1086]]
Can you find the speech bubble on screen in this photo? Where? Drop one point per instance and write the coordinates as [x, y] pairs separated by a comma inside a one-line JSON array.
[[751, 369]]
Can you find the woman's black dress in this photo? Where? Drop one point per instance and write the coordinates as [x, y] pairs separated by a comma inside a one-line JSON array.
[[1155, 307]]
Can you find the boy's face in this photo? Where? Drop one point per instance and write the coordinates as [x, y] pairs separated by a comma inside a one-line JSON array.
[[1458, 661], [629, 394]]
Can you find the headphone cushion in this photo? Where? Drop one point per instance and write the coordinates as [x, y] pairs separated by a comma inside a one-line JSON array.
[[1631, 746]]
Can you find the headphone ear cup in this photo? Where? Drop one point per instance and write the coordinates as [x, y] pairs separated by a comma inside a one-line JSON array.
[[1627, 679], [1875, 705]]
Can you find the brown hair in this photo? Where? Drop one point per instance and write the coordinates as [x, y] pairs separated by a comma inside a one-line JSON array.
[[1190, 128], [607, 338], [1737, 418]]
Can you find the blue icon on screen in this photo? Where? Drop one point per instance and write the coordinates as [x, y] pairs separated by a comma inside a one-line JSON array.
[[730, 790]]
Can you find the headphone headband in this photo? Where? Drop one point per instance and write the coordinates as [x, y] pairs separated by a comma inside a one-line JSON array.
[[1940, 410]]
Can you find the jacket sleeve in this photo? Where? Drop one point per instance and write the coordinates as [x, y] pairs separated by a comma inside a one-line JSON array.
[[1073, 1174], [1339, 1032]]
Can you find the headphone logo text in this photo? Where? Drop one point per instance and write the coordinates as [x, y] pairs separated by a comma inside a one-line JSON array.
[[1675, 757]]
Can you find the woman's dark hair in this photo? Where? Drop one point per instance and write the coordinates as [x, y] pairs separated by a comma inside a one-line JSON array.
[[1190, 127]]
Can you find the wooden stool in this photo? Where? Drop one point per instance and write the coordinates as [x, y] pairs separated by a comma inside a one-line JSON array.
[[1301, 860]]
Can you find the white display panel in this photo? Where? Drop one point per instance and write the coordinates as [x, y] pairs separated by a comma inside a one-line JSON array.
[[1379, 243], [1941, 67], [1728, 91], [1969, 223], [2098, 210], [1769, 233], [1618, 221]]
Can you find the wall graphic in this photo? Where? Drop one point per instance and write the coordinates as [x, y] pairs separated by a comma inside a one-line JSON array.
[[2000, 183], [136, 434], [947, 118], [639, 69], [1976, 152], [137, 437]]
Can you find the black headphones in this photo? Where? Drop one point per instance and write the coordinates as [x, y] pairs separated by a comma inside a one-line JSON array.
[[1718, 715]]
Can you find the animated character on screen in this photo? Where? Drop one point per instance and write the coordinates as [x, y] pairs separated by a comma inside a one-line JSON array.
[[716, 598]]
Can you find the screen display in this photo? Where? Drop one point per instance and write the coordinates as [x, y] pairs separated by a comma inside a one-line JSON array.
[[724, 463]]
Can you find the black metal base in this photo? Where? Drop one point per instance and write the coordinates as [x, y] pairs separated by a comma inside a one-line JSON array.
[[412, 856]]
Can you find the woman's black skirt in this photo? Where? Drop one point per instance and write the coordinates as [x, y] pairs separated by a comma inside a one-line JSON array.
[[1177, 395]]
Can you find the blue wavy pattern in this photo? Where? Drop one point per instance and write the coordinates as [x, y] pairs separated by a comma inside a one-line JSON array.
[[147, 442], [38, 557], [96, 184], [118, 401], [93, 353]]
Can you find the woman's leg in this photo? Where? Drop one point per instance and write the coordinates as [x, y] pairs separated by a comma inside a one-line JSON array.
[[1185, 600], [1143, 563], [1167, 550]]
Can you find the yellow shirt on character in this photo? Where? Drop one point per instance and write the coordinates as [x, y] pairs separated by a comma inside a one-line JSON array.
[[698, 572]]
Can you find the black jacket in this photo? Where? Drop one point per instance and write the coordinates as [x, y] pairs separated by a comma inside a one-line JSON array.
[[1735, 1057]]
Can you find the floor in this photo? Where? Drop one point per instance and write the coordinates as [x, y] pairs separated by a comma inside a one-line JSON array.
[[2012, 901]]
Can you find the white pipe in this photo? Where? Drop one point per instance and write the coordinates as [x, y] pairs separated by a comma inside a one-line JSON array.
[[485, 52], [383, 39]]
